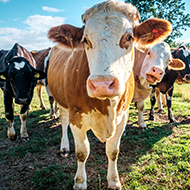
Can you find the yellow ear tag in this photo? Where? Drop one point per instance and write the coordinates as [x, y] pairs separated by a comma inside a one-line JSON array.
[[151, 37], [37, 75], [3, 77]]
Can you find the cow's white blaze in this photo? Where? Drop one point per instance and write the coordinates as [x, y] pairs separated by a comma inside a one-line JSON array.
[[19, 66], [105, 56], [186, 53]]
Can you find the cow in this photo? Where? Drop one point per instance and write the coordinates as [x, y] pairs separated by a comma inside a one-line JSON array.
[[42, 61], [93, 70], [149, 69], [18, 78], [166, 86]]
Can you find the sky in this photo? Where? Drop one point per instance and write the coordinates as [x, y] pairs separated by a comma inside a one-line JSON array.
[[28, 22]]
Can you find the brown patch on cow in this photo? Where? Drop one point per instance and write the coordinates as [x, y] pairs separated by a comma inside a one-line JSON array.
[[152, 31], [81, 157], [23, 117], [67, 75], [176, 64], [114, 155], [79, 180], [22, 52], [127, 96], [66, 34], [40, 58]]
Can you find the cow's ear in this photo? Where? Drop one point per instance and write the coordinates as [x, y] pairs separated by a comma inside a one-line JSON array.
[[38, 74], [67, 35], [3, 76], [151, 32], [176, 64]]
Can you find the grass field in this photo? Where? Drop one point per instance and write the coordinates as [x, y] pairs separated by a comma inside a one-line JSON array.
[[157, 158]]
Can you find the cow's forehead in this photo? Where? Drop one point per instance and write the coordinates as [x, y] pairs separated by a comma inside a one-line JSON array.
[[109, 14], [161, 50], [110, 27]]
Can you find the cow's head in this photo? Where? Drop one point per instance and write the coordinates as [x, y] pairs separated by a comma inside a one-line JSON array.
[[183, 54], [109, 33], [156, 60], [21, 79]]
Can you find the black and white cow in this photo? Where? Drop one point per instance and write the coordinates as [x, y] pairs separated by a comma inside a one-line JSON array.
[[18, 77], [166, 86]]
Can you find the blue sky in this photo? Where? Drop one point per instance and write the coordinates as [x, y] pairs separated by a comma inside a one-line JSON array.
[[27, 22]]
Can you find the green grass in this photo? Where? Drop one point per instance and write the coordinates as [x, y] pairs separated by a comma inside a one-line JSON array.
[[157, 158]]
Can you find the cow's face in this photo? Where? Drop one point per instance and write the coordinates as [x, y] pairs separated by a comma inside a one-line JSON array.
[[156, 60], [109, 40], [183, 54], [21, 77]]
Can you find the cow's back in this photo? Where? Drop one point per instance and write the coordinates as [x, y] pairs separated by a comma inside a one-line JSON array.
[[67, 75]]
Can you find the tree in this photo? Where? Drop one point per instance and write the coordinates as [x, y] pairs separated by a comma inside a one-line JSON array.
[[172, 10]]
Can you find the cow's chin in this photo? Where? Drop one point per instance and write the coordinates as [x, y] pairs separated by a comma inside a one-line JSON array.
[[145, 83]]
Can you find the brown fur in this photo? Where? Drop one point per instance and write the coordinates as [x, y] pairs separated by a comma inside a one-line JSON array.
[[70, 87], [40, 57], [140, 91], [68, 35], [152, 31], [27, 55]]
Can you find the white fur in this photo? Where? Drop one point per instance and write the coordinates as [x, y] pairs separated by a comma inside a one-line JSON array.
[[19, 66], [159, 57], [186, 53]]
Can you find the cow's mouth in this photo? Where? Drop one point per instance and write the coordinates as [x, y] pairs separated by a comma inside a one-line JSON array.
[[151, 79]]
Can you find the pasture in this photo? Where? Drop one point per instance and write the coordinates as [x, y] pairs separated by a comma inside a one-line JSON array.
[[157, 158]]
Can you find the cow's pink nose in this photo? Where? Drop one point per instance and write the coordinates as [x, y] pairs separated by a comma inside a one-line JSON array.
[[155, 75], [102, 87]]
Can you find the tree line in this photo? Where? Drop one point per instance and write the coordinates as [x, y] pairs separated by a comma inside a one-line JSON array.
[[172, 10]]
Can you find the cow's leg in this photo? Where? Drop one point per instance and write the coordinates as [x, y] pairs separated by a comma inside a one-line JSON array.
[[169, 104], [152, 102], [39, 93], [112, 152], [51, 101], [56, 109], [82, 150], [163, 97], [158, 99], [9, 109], [23, 117], [140, 107], [64, 117]]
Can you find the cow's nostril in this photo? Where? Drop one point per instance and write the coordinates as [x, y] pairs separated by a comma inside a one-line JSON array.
[[113, 84], [23, 100], [91, 85], [153, 70]]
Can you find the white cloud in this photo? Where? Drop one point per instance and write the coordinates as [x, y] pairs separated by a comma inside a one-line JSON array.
[[51, 9], [186, 41], [34, 36], [4, 1]]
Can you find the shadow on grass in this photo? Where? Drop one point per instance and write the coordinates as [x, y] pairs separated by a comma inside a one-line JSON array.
[[51, 170]]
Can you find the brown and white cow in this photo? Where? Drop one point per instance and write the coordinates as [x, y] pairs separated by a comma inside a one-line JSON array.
[[149, 69], [93, 70], [42, 61]]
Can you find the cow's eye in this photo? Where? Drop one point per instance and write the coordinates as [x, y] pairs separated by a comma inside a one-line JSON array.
[[129, 37], [87, 42], [149, 53], [126, 41]]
